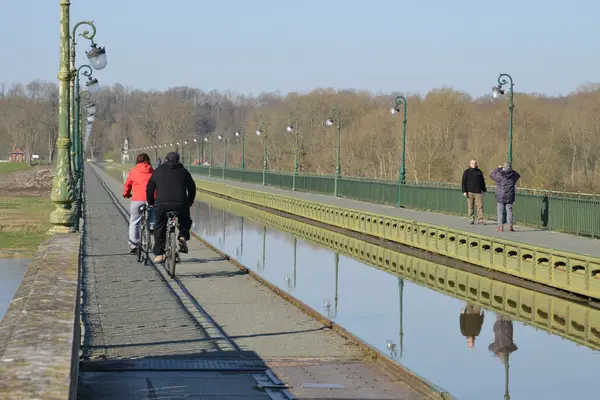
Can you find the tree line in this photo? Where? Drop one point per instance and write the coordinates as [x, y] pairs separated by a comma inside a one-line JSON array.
[[556, 139]]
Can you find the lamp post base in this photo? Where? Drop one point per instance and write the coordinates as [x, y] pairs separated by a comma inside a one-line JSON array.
[[61, 219]]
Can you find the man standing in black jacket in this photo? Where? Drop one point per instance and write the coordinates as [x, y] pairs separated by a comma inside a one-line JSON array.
[[175, 191], [473, 188]]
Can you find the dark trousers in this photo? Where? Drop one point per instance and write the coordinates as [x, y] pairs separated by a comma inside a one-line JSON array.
[[160, 226]]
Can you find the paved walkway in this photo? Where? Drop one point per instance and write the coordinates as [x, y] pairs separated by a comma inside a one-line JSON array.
[[214, 332], [537, 237]]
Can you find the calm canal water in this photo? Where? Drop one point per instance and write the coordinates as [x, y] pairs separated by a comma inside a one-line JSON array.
[[416, 326], [421, 326], [11, 274]]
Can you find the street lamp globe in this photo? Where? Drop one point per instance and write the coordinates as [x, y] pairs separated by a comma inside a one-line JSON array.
[[206, 139], [178, 143], [329, 122], [394, 110], [185, 142], [238, 134], [92, 85], [259, 132], [90, 118], [497, 91], [195, 140], [220, 137], [289, 129], [97, 57]]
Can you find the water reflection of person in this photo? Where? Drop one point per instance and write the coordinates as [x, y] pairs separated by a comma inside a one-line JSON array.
[[503, 343], [471, 321]]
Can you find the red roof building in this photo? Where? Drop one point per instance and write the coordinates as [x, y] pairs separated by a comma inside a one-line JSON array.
[[16, 155]]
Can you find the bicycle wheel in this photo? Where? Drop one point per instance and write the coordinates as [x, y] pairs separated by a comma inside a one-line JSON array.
[[140, 238], [172, 244]]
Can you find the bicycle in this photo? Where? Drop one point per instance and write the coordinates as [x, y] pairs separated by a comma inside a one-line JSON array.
[[145, 233], [171, 254]]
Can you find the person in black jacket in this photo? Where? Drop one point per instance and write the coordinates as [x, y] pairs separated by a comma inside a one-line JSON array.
[[171, 188], [473, 188]]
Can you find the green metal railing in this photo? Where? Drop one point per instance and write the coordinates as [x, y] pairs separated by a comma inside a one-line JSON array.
[[573, 213]]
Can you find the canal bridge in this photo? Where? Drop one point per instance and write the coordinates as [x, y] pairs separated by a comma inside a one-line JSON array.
[[289, 294]]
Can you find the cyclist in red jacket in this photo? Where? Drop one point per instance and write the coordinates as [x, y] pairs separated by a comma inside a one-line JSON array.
[[135, 188]]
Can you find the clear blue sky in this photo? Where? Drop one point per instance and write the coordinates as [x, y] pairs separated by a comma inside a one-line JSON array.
[[250, 46]]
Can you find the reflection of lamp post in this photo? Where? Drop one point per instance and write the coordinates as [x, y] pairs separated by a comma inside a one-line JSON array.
[[401, 295], [294, 129], [242, 239], [262, 131], [264, 252], [327, 303], [401, 101], [337, 275], [506, 394], [292, 283], [497, 91], [224, 224], [329, 122]]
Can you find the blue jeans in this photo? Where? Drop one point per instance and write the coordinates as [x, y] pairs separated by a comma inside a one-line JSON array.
[[509, 213], [135, 216]]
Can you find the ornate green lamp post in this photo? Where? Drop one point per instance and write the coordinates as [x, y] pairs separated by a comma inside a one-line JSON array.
[[209, 140], [225, 151], [401, 102], [91, 87], [497, 91], [197, 150], [240, 134], [262, 131], [295, 129], [330, 122], [62, 188]]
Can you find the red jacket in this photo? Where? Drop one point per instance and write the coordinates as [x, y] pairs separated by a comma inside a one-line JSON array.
[[137, 180]]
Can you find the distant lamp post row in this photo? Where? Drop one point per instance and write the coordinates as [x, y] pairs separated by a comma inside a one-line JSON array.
[[400, 106], [63, 190]]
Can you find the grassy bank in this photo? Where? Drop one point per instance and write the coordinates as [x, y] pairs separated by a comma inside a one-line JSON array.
[[8, 167], [24, 222]]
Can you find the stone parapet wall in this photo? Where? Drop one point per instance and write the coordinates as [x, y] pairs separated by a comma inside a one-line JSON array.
[[39, 334]]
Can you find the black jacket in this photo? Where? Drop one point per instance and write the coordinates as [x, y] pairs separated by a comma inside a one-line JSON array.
[[473, 181], [173, 185]]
